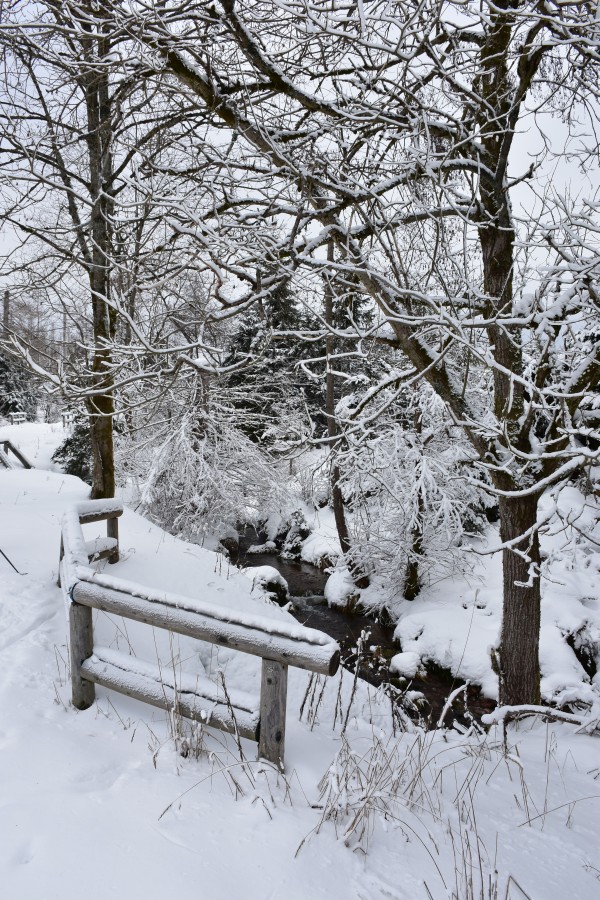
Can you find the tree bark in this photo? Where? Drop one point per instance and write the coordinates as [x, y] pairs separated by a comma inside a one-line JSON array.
[[520, 635], [99, 139], [361, 580], [412, 580], [100, 410], [6, 313]]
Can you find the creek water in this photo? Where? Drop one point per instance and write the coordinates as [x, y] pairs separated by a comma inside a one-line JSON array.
[[306, 585]]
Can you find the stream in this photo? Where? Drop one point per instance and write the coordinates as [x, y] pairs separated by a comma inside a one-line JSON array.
[[307, 585]]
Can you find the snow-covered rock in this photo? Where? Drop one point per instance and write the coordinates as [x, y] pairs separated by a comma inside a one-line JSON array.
[[340, 590], [267, 547], [267, 580], [406, 664]]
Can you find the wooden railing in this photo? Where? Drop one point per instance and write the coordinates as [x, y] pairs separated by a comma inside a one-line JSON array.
[[17, 418], [9, 447], [68, 418], [279, 644], [100, 548]]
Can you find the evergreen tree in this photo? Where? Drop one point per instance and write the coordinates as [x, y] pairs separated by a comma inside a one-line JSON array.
[[273, 391], [17, 392], [75, 452]]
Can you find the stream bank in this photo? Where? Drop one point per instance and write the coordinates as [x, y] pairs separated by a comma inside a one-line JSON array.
[[364, 641]]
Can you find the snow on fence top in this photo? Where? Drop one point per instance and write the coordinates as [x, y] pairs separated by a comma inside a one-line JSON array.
[[73, 546], [97, 510]]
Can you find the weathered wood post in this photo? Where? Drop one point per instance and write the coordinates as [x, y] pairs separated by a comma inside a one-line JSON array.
[[112, 531], [83, 692], [273, 697]]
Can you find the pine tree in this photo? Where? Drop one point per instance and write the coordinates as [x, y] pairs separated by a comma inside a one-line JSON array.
[[17, 392]]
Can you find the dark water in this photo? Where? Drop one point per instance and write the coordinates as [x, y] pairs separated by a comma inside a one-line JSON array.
[[307, 585]]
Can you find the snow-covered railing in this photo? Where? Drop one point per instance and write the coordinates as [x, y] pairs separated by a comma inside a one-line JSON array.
[[9, 447], [82, 552], [17, 418], [279, 644]]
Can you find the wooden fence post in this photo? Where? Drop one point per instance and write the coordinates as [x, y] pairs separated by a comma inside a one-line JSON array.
[[273, 696], [83, 692], [112, 531]]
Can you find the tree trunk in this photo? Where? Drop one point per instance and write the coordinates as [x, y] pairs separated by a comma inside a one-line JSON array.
[[361, 580], [100, 410], [6, 313], [520, 635], [99, 139], [412, 580]]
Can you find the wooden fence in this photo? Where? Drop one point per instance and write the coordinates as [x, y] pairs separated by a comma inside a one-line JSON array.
[[68, 418], [279, 644], [17, 418]]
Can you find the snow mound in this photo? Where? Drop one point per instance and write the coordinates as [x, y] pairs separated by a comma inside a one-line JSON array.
[[268, 581], [339, 589], [406, 664], [267, 547]]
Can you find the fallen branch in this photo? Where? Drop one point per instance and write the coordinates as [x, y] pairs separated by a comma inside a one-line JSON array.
[[589, 723]]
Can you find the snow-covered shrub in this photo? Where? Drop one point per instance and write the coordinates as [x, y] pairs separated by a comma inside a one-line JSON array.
[[296, 530], [413, 498], [205, 481]]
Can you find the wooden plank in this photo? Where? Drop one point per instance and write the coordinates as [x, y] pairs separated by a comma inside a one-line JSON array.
[[273, 697], [81, 645], [190, 705], [323, 659], [4, 460], [100, 516], [308, 640]]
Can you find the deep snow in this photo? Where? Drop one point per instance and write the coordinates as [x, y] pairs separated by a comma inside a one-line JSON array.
[[99, 803]]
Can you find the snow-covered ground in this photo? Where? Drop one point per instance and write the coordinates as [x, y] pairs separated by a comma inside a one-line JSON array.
[[101, 804]]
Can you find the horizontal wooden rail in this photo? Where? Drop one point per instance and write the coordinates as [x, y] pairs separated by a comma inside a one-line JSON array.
[[278, 643], [151, 686], [82, 552], [259, 636]]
